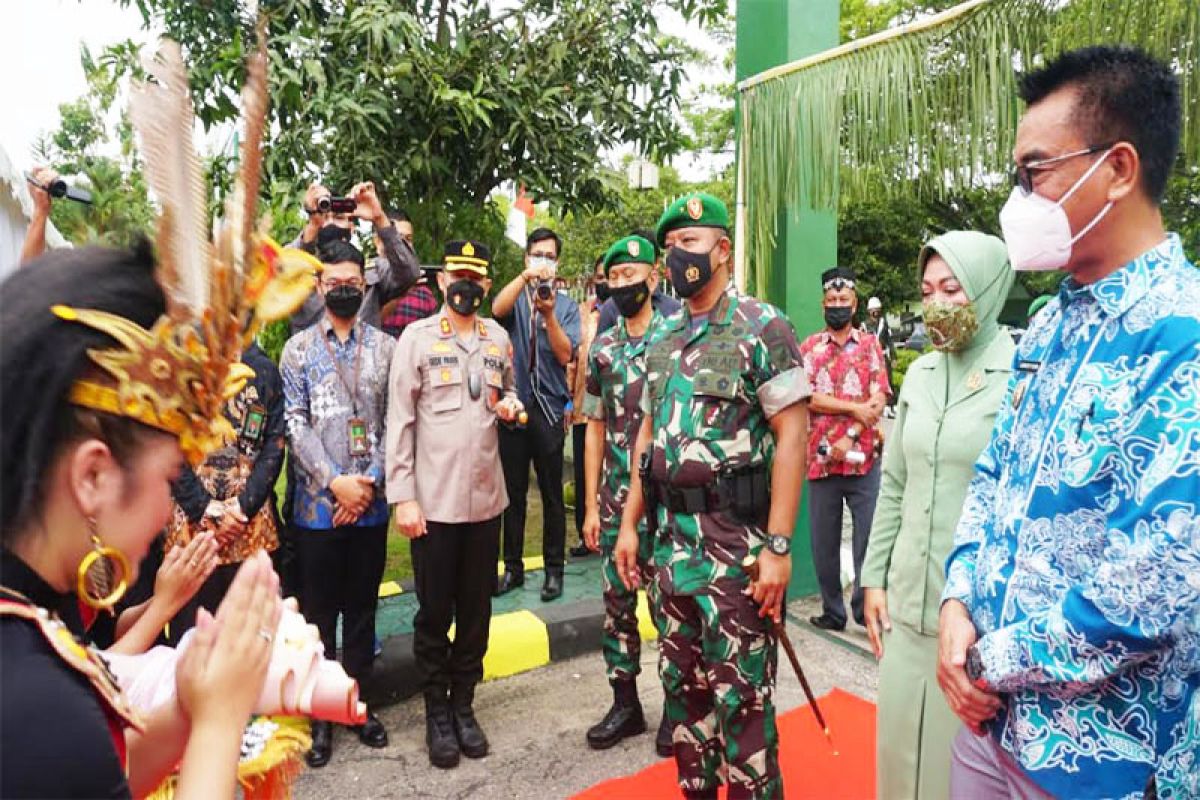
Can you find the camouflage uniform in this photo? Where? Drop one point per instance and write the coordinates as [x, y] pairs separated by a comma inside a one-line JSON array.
[[714, 383], [615, 385]]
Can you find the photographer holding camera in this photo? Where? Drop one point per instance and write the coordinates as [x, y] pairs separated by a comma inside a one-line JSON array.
[[543, 325], [332, 218], [45, 185]]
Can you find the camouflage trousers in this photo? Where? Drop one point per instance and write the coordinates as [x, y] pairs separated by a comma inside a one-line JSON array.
[[622, 644], [717, 663]]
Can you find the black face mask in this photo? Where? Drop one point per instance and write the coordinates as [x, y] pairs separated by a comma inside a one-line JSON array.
[[838, 317], [331, 232], [344, 301], [690, 272], [630, 299], [602, 291], [464, 296]]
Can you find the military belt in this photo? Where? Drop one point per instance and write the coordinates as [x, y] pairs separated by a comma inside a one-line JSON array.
[[747, 492]]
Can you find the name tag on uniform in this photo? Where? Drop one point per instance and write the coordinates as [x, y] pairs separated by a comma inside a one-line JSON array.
[[1030, 367], [358, 437], [253, 424]]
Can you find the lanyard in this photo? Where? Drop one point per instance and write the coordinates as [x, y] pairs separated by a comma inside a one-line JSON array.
[[351, 388]]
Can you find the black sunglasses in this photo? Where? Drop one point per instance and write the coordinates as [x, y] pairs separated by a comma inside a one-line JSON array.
[[1022, 174]]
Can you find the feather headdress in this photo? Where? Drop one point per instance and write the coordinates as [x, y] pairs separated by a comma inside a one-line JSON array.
[[178, 375]]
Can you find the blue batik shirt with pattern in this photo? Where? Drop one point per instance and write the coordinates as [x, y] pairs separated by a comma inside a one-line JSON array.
[[318, 414], [1078, 551]]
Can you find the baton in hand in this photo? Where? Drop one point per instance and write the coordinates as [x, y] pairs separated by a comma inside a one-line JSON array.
[[750, 567]]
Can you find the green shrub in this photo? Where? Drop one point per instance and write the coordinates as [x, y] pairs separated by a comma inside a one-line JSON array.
[[904, 359]]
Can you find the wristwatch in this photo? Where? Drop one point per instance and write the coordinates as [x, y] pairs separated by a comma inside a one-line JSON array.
[[853, 434], [779, 545], [974, 666]]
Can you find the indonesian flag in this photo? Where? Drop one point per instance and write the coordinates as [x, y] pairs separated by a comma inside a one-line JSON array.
[[519, 214]]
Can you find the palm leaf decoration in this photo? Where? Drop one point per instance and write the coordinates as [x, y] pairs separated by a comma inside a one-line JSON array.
[[930, 105]]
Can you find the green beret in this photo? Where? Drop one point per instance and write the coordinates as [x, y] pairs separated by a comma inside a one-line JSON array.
[[695, 210], [630, 250]]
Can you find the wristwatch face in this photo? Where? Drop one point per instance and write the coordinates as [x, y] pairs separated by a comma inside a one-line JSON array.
[[779, 545]]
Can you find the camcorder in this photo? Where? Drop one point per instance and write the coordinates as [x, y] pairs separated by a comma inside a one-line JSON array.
[[59, 188], [336, 205]]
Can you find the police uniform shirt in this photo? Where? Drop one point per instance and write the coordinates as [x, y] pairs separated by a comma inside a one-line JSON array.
[[442, 444]]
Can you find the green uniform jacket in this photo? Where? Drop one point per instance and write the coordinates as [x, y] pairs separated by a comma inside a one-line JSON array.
[[927, 465]]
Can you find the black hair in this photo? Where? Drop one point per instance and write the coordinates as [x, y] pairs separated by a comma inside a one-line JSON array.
[[398, 215], [541, 235], [337, 251], [1126, 95], [41, 356]]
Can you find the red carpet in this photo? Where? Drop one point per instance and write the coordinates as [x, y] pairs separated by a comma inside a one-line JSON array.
[[810, 769]]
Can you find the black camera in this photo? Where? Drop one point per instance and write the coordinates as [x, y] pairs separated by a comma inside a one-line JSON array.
[[336, 205], [544, 290], [59, 188]]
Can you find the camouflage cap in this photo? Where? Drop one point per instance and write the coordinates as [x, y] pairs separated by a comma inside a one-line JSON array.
[[694, 210], [630, 250]]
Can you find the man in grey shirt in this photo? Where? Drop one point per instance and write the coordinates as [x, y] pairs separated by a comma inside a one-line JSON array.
[[389, 276]]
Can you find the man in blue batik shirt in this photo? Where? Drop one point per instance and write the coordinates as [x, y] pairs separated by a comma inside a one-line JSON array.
[[335, 378], [1070, 623]]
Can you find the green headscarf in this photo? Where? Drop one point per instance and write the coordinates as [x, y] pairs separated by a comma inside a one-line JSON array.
[[980, 262]]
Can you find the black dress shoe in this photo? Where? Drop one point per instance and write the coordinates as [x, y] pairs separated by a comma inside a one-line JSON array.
[[827, 622], [581, 550], [372, 733], [623, 719], [552, 588], [439, 735], [508, 581], [470, 736], [322, 744], [664, 743]]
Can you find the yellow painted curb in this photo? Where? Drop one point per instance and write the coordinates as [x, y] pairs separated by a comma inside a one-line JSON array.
[[390, 589], [517, 641], [646, 627]]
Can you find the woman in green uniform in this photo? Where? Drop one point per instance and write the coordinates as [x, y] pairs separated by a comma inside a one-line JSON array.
[[944, 417]]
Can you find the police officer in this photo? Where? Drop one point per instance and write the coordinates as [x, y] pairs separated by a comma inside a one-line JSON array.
[[616, 381], [451, 379], [725, 426]]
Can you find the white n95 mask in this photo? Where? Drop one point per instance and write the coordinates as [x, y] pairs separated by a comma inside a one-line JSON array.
[[1037, 231]]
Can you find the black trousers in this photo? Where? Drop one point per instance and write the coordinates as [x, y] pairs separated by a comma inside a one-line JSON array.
[[542, 443], [578, 442], [454, 568], [340, 571], [208, 596]]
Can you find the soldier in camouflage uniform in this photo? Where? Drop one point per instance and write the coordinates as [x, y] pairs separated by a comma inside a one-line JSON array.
[[612, 403], [725, 427]]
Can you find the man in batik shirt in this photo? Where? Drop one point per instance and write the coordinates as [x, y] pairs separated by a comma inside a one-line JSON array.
[[1070, 622], [848, 374]]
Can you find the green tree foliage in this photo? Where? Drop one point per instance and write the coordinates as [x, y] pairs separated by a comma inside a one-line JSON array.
[[587, 235], [441, 102], [91, 151]]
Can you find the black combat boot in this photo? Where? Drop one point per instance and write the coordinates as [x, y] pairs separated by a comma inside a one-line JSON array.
[[664, 743], [624, 719], [439, 733], [471, 739]]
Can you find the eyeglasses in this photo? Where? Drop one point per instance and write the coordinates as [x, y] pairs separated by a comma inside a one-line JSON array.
[[1023, 173], [353, 283]]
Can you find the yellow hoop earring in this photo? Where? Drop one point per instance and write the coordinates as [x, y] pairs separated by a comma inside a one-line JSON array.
[[103, 575]]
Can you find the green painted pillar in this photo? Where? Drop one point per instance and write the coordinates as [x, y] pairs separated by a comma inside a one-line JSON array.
[[769, 33]]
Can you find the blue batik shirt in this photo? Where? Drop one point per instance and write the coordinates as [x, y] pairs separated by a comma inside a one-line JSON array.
[[1078, 551], [318, 413]]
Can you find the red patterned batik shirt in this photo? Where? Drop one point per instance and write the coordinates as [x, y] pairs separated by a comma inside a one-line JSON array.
[[854, 372]]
